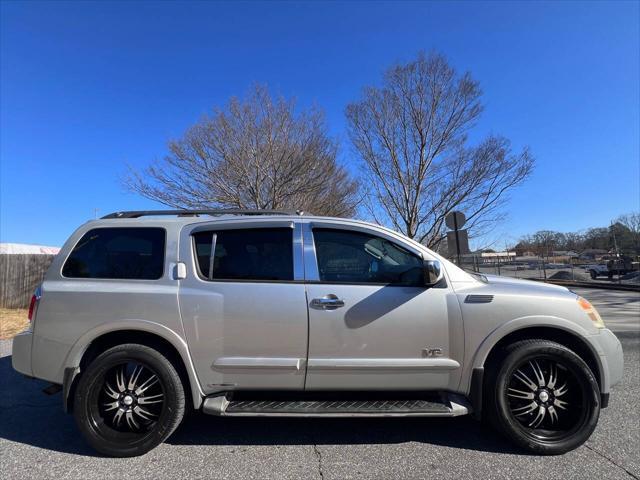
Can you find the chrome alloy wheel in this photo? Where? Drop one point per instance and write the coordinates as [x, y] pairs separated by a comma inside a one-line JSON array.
[[545, 398], [131, 399]]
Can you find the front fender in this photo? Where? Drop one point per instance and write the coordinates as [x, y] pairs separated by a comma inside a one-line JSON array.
[[589, 338], [72, 362]]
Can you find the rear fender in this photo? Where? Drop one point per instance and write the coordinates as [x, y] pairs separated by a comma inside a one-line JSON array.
[[72, 363]]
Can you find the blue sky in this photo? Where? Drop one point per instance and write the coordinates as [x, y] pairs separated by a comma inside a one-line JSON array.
[[89, 87]]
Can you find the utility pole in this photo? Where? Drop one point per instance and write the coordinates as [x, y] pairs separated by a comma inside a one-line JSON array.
[[544, 267], [616, 262]]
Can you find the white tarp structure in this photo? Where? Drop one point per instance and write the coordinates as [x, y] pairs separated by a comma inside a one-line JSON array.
[[26, 249]]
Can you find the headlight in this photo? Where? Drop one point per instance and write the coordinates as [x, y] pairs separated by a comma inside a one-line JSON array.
[[591, 311]]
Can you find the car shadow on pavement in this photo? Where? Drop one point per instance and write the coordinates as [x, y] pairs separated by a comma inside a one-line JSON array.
[[30, 417], [463, 432]]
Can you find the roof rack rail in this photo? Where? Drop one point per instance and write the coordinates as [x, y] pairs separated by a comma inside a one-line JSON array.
[[195, 213]]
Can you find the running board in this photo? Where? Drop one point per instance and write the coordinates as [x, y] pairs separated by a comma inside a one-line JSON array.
[[445, 406]]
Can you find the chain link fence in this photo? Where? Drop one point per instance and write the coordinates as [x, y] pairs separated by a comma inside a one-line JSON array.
[[558, 268]]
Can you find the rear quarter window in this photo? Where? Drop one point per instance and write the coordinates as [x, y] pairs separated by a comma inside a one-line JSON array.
[[118, 253]]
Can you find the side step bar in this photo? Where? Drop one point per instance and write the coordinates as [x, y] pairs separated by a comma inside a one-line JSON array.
[[445, 406]]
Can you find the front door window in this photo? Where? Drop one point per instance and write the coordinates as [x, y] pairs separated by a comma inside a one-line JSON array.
[[355, 257]]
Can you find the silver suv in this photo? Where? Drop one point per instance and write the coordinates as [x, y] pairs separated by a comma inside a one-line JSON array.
[[143, 315]]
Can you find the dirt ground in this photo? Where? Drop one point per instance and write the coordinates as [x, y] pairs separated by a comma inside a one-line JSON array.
[[12, 322]]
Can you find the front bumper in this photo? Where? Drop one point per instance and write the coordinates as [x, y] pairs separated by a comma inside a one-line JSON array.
[[21, 353], [611, 358]]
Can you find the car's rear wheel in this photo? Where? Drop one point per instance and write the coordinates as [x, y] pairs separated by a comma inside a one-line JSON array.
[[129, 400], [546, 399]]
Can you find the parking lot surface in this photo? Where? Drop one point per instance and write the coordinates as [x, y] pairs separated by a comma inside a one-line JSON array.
[[37, 440], [619, 309]]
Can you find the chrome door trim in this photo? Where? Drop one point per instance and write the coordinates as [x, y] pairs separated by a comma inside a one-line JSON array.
[[430, 364], [298, 253], [309, 247], [258, 362]]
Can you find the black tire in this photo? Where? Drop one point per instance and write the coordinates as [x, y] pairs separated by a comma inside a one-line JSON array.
[[575, 414], [593, 274], [131, 432]]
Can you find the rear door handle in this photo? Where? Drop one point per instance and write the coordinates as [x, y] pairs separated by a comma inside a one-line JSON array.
[[328, 302]]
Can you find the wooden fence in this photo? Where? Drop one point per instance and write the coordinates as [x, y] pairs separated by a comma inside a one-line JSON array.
[[20, 274]]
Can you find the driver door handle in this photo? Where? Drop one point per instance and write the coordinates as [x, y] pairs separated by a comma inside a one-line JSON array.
[[328, 302]]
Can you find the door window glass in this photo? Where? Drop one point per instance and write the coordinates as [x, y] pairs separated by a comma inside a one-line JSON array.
[[353, 257], [256, 254]]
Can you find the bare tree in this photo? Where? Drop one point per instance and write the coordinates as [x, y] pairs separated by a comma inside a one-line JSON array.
[[573, 241], [545, 241], [631, 221], [625, 233], [622, 235], [597, 238], [258, 153], [411, 134]]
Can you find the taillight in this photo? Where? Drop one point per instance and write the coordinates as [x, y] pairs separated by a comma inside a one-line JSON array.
[[34, 302]]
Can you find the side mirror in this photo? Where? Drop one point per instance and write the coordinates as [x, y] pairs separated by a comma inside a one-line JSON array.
[[432, 272]]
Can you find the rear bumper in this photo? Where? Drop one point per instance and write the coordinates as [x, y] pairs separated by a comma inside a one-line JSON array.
[[21, 353]]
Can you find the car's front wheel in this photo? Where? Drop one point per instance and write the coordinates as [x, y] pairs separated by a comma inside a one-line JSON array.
[[129, 400], [546, 399]]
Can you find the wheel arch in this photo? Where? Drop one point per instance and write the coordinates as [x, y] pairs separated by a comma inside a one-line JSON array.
[[560, 331], [567, 338], [151, 334]]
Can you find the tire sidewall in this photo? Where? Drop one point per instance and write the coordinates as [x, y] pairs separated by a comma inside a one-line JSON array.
[[93, 379], [584, 377]]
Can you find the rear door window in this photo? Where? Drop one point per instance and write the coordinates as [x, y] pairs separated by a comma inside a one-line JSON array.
[[118, 253], [245, 254]]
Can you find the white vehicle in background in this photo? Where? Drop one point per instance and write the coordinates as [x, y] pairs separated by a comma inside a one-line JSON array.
[[596, 270], [619, 265]]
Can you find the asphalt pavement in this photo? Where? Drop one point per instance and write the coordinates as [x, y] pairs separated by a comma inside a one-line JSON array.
[[619, 309], [37, 440]]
